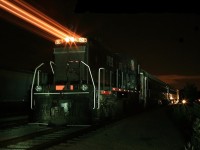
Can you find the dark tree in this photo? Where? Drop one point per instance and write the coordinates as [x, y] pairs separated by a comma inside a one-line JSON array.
[[190, 92]]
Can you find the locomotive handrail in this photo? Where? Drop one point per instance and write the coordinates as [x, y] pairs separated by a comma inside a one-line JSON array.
[[51, 62], [145, 87], [38, 78], [99, 79], [92, 82], [33, 83]]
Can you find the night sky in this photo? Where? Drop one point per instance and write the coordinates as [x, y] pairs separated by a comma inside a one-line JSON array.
[[164, 38]]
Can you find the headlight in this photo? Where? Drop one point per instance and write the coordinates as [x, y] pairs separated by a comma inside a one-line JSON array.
[[84, 87], [38, 88]]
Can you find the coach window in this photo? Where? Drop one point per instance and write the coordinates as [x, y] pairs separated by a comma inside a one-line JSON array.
[[107, 77], [126, 78], [117, 78], [122, 79], [114, 84], [111, 84]]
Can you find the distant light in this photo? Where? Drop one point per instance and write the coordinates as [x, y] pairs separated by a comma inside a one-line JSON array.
[[171, 97], [184, 101]]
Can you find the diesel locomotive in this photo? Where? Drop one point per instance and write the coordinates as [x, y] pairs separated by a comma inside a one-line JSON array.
[[87, 83]]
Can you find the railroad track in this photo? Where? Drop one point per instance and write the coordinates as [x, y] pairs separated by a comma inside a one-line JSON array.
[[43, 137], [9, 122]]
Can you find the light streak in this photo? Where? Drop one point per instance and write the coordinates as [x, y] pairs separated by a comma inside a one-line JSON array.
[[29, 14]]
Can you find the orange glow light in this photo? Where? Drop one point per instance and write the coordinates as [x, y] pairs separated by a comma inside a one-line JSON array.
[[59, 87], [29, 14], [106, 92], [71, 87]]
